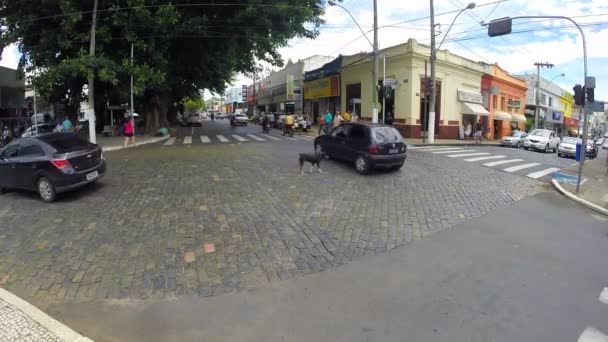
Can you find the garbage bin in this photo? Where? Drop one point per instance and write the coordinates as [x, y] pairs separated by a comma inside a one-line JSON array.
[[579, 149]]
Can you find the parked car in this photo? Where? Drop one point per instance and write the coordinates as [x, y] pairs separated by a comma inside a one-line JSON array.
[[50, 164], [239, 120], [567, 148], [368, 146], [543, 140], [42, 129], [515, 139], [194, 119]]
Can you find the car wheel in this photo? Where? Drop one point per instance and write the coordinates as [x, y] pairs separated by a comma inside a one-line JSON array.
[[319, 149], [46, 190], [525, 148], [3, 190], [546, 150], [556, 148], [362, 165]]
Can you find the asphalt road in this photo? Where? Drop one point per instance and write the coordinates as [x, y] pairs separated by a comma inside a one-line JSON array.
[[531, 271]]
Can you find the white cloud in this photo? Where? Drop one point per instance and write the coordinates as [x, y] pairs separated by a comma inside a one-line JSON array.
[[10, 57]]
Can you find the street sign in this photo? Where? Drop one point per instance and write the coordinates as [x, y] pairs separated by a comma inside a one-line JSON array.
[[89, 113], [390, 81]]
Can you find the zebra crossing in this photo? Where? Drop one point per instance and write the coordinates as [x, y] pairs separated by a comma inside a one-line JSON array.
[[233, 139], [591, 334], [501, 162]]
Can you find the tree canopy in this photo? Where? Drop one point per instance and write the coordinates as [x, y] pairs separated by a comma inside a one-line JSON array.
[[181, 46]]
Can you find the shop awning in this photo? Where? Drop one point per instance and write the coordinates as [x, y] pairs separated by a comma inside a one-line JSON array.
[[498, 115], [518, 118], [474, 109]]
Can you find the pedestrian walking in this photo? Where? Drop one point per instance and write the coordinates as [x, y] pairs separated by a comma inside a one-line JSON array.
[[328, 120], [338, 119], [129, 131], [321, 123], [67, 125], [478, 131]]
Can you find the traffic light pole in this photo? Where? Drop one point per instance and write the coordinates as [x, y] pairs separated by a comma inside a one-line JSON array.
[[503, 26]]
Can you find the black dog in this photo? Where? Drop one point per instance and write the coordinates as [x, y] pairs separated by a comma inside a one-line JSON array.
[[313, 159]]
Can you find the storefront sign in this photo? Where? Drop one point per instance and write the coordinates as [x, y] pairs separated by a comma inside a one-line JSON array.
[[244, 93], [321, 88], [557, 116], [514, 104], [470, 97], [290, 87], [570, 122]]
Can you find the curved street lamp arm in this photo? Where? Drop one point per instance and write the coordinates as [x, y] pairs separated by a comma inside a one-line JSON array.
[[364, 34], [449, 28]]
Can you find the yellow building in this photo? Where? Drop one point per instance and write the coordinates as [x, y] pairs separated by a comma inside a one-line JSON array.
[[566, 103], [458, 88]]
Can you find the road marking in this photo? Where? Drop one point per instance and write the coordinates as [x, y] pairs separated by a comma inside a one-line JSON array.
[[272, 138], [452, 151], [222, 138], [305, 137], [187, 140], [292, 139], [520, 167], [468, 154], [500, 162], [484, 158], [256, 137], [169, 142], [442, 149], [592, 335], [604, 296], [545, 172], [422, 147], [205, 139], [238, 137]]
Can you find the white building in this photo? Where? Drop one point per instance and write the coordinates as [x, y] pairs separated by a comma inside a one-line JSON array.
[[551, 114]]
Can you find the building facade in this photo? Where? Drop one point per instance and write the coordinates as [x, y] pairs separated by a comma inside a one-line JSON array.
[[504, 96], [236, 98], [458, 82], [551, 114], [322, 90], [281, 91]]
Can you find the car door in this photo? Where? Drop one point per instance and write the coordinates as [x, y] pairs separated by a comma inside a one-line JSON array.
[[358, 141], [8, 170], [337, 141], [29, 160]]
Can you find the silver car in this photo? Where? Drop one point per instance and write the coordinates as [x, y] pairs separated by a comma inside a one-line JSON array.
[[567, 148], [515, 139]]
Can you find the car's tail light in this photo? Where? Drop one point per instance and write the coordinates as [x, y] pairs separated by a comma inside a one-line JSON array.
[[373, 149], [61, 164]]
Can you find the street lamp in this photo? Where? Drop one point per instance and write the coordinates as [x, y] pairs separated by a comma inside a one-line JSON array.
[[556, 76], [374, 54], [431, 118]]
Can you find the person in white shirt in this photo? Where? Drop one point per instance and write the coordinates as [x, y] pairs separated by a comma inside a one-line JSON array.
[[338, 119]]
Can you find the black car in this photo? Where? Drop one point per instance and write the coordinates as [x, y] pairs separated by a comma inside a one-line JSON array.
[[366, 145], [50, 164]]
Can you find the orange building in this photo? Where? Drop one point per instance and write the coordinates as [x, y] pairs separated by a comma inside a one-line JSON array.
[[505, 98]]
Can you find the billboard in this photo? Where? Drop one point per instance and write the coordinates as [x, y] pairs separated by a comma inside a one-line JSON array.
[[321, 88]]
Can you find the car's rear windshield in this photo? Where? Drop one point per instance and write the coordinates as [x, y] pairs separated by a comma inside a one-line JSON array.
[[572, 140], [382, 135], [64, 143]]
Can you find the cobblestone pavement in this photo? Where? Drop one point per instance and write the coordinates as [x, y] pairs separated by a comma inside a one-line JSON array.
[[16, 326], [214, 219]]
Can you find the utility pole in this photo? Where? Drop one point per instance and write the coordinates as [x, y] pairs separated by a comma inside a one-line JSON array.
[[431, 122], [92, 137], [375, 77], [384, 88], [132, 110], [537, 99]]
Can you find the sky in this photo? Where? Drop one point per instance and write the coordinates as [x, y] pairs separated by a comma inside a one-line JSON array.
[[553, 41]]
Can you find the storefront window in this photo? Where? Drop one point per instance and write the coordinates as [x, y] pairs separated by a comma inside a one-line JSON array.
[[502, 103]]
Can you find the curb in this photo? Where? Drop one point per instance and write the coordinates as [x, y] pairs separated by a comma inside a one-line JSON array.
[[452, 144], [54, 326], [579, 200], [151, 141]]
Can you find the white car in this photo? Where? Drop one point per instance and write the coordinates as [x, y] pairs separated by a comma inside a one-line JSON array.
[[567, 148], [543, 140]]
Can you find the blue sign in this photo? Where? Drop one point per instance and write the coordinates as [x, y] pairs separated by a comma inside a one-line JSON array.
[[557, 116]]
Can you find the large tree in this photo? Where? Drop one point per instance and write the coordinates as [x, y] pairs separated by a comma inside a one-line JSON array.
[[181, 46]]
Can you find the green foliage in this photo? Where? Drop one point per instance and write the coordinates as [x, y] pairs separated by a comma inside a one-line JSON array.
[[194, 103]]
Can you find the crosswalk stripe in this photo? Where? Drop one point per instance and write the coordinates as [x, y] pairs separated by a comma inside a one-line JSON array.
[[169, 142], [205, 139], [500, 162], [187, 140], [292, 139], [422, 147], [441, 149], [545, 172], [305, 137], [484, 158], [255, 137], [592, 335], [452, 151], [238, 137], [520, 167], [222, 138], [468, 154], [272, 137]]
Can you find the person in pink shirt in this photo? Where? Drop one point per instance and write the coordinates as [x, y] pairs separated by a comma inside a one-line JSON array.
[[129, 131]]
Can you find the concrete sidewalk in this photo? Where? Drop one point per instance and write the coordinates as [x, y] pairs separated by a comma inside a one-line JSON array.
[[595, 187], [117, 143], [21, 321]]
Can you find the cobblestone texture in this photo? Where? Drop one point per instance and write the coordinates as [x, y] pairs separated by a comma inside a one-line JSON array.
[[15, 326], [173, 221]]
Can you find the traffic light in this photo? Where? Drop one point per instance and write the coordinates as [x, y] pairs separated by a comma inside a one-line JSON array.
[[579, 95], [590, 94], [388, 92], [500, 27]]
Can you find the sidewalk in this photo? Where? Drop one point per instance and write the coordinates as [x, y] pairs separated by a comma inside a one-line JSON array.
[[450, 142], [594, 189], [117, 143], [21, 321]]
